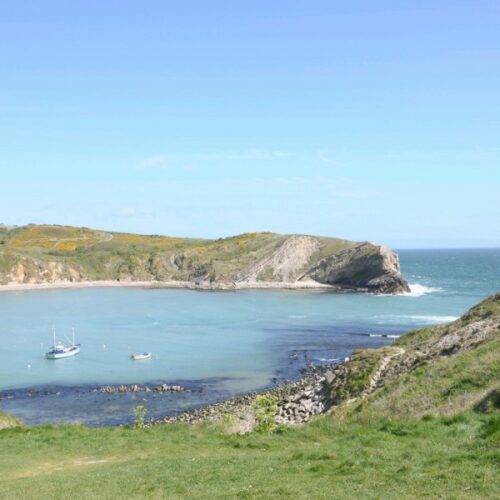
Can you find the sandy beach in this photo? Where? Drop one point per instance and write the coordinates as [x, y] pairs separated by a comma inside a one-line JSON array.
[[246, 285]]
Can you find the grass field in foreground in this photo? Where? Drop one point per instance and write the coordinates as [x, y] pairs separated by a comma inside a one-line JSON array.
[[454, 457]]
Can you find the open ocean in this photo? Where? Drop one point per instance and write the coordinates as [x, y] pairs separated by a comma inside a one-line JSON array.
[[215, 344]]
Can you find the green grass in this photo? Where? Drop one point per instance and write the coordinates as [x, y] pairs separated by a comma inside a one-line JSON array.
[[375, 458], [439, 385], [443, 387], [363, 365]]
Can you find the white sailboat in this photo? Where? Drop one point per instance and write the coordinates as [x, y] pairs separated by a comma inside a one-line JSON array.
[[59, 350]]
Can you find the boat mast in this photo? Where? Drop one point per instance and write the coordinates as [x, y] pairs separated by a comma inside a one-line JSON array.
[[54, 334], [73, 330]]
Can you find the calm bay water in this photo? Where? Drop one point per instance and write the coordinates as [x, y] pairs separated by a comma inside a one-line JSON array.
[[216, 344]]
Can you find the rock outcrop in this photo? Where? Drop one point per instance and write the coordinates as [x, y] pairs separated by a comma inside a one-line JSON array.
[[285, 263], [29, 270], [367, 267]]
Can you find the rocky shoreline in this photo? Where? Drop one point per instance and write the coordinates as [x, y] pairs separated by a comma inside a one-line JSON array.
[[297, 402]]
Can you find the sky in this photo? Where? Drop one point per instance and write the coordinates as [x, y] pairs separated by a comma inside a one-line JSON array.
[[364, 120]]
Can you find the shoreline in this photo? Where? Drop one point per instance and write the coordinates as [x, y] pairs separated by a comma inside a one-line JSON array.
[[297, 401], [261, 285]]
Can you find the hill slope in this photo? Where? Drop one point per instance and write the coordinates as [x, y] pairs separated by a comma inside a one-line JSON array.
[[48, 254], [440, 370]]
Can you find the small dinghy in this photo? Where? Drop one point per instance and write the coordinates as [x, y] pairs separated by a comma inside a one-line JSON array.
[[144, 355]]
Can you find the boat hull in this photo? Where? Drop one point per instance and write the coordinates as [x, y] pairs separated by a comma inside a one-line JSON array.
[[138, 357], [66, 354]]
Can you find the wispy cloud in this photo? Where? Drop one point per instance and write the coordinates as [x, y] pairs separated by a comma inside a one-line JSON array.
[[325, 156], [158, 162], [356, 194], [247, 155], [164, 161]]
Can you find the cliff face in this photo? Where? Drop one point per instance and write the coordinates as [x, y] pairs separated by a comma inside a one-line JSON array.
[[48, 254], [366, 267]]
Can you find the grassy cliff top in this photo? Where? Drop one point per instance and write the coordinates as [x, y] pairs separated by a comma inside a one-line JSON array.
[[60, 240]]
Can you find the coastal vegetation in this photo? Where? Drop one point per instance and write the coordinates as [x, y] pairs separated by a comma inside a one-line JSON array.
[[37, 254], [420, 418], [436, 371], [8, 421]]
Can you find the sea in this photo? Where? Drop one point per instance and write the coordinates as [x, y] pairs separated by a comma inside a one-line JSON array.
[[215, 344]]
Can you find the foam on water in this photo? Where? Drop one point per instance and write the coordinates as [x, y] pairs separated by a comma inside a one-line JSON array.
[[413, 319], [434, 319], [418, 290]]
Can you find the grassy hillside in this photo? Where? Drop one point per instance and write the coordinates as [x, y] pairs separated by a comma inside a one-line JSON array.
[[430, 428], [378, 458], [37, 253], [438, 371]]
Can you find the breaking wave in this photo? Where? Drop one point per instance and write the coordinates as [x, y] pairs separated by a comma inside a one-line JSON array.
[[417, 290], [434, 319], [416, 319]]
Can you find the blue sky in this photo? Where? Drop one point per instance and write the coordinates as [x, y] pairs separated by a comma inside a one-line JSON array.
[[365, 120]]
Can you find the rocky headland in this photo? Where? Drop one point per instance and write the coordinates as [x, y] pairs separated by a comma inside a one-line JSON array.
[[61, 256]]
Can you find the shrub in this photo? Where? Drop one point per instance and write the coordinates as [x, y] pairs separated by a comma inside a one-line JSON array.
[[265, 408], [139, 414]]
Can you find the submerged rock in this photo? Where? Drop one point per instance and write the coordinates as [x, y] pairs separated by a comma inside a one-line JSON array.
[[134, 388]]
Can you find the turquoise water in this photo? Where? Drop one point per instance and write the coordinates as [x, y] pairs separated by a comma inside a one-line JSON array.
[[215, 343]]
